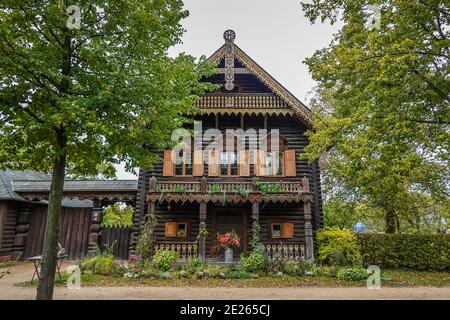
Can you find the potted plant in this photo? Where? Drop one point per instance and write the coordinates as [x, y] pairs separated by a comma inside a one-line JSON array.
[[229, 240]]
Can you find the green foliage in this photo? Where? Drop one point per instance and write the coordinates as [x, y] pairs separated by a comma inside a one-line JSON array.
[[268, 187], [296, 268], [338, 247], [415, 251], [180, 188], [352, 274], [117, 215], [164, 259], [118, 90], [144, 246], [241, 191], [290, 267], [202, 233], [238, 274], [381, 110], [215, 188], [255, 262], [338, 213], [103, 264]]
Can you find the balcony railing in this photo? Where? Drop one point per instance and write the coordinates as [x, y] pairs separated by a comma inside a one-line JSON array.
[[186, 251], [227, 187], [240, 101], [293, 251]]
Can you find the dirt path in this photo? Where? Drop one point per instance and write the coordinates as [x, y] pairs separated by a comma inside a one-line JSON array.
[[23, 272]]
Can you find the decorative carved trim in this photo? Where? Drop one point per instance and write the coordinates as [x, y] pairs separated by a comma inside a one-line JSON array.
[[235, 70], [230, 198], [229, 37], [84, 196], [249, 112], [301, 110]]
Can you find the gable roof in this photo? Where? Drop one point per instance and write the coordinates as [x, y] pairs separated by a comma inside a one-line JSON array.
[[299, 107]]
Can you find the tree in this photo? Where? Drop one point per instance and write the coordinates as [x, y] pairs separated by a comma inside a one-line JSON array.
[[82, 88], [384, 93], [118, 215]]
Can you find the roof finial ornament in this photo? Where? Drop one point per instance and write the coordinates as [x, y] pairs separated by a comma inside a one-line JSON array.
[[229, 36]]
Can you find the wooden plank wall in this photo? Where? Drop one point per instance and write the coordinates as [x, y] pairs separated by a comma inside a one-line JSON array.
[[116, 239], [8, 231], [73, 236], [282, 213]]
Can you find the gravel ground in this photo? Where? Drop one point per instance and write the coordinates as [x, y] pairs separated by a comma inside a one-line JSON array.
[[23, 272]]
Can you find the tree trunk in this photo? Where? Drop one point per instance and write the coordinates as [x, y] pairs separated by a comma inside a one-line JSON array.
[[390, 222], [49, 253]]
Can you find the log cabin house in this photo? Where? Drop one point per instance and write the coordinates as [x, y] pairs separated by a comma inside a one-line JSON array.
[[229, 190], [220, 190]]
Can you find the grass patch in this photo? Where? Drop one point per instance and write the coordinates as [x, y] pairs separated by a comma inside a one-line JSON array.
[[390, 278]]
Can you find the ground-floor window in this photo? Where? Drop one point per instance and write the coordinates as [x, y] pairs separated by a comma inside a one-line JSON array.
[[176, 229], [280, 230]]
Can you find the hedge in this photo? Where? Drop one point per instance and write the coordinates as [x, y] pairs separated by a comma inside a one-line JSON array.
[[414, 251]]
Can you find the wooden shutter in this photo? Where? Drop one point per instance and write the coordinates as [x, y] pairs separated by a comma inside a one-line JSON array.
[[289, 163], [287, 230], [197, 170], [244, 163], [171, 229], [213, 163], [168, 164], [260, 163]]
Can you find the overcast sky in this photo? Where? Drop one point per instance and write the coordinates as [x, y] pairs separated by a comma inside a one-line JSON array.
[[274, 33]]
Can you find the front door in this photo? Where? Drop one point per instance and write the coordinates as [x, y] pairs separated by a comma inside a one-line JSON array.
[[228, 219]]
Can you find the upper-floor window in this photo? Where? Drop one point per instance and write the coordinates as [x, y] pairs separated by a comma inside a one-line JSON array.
[[274, 163], [183, 164], [228, 164]]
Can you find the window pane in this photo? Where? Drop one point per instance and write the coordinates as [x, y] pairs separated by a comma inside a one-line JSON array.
[[279, 162], [233, 163], [269, 164], [182, 230], [276, 230], [179, 169], [188, 164], [224, 164], [178, 164]]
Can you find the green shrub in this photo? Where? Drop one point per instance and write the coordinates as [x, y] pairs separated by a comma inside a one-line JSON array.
[[338, 247], [255, 262], [290, 267], [102, 264], [163, 260], [414, 251], [352, 274]]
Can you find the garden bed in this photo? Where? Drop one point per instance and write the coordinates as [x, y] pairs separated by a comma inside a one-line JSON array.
[[390, 278]]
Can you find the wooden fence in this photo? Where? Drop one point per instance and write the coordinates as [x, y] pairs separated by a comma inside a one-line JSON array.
[[117, 240], [73, 231]]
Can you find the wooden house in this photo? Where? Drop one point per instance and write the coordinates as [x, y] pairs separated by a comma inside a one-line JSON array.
[[230, 190]]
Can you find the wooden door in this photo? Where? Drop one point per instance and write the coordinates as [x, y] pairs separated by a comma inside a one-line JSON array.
[[228, 219]]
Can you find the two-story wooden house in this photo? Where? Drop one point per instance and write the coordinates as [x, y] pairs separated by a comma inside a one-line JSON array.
[[229, 190]]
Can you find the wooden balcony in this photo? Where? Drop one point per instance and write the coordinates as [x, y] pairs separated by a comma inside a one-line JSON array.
[[229, 192]]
